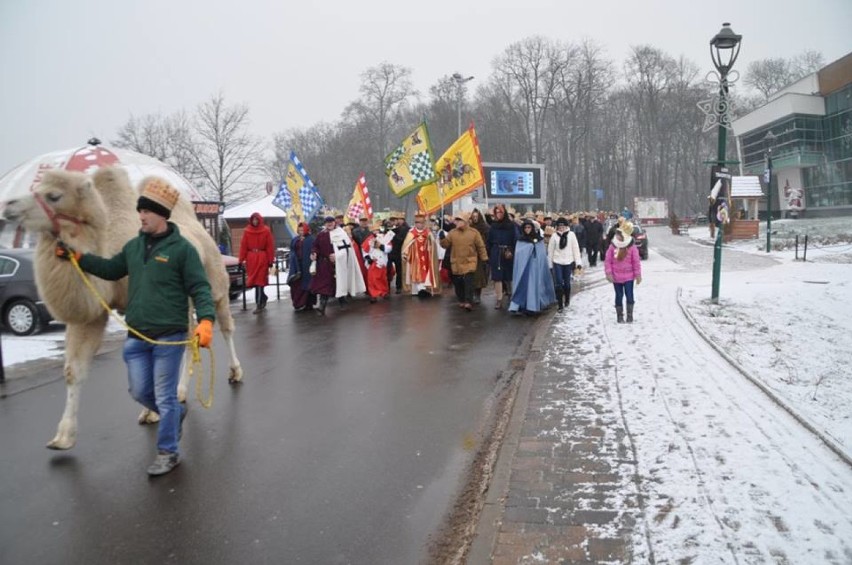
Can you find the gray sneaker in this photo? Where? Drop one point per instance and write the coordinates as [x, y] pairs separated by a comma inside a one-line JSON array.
[[163, 463]]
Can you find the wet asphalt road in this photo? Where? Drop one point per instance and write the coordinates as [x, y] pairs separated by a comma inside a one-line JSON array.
[[346, 444]]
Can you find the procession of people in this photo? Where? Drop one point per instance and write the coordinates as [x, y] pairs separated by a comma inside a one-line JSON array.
[[531, 259]]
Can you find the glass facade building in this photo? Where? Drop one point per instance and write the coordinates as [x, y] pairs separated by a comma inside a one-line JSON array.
[[813, 140]]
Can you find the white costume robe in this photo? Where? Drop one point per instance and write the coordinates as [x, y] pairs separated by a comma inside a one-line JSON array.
[[347, 270]]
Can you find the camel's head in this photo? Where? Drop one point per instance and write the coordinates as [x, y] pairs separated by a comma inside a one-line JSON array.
[[66, 196]]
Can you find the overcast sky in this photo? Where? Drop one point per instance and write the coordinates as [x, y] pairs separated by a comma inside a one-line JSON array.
[[76, 68]]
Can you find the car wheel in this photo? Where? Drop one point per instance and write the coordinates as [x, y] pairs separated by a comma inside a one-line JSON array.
[[21, 317]]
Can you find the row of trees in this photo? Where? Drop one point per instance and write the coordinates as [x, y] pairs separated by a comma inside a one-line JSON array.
[[631, 130]]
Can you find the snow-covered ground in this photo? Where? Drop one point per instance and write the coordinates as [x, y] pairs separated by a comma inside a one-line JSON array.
[[726, 475]]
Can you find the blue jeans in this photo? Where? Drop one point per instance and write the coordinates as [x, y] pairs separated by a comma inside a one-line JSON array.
[[153, 372], [622, 289], [562, 276]]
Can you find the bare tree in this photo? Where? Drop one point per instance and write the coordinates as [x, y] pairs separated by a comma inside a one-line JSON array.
[[806, 62], [228, 158], [165, 138], [768, 76], [526, 75], [384, 91]]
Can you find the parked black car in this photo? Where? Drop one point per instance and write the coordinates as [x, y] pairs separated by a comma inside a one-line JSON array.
[[640, 239], [22, 310]]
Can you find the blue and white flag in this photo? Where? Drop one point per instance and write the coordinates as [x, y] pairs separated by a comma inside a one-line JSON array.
[[309, 196], [283, 199], [297, 196]]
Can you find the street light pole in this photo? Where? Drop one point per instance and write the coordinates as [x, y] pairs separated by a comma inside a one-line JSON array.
[[724, 49], [460, 80], [770, 145]]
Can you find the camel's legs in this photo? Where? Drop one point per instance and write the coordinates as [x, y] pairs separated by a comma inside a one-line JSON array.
[[226, 323], [81, 344]]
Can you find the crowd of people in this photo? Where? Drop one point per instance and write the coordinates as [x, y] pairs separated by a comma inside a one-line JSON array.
[[531, 259]]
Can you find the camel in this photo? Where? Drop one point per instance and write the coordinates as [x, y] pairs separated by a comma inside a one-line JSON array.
[[97, 214]]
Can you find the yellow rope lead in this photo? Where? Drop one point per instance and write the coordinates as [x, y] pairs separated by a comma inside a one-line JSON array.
[[192, 343]]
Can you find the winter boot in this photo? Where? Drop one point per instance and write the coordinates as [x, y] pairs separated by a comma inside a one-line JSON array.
[[619, 310], [629, 313], [559, 294], [568, 297], [323, 301]]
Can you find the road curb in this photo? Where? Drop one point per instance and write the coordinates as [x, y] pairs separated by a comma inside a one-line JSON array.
[[490, 516], [829, 442]]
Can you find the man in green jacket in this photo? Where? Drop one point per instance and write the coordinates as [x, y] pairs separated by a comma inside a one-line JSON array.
[[163, 271]]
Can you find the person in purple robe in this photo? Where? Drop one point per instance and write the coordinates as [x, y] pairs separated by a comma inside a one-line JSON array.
[[322, 253]]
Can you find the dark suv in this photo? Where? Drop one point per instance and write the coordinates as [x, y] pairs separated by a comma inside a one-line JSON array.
[[23, 312], [640, 239]]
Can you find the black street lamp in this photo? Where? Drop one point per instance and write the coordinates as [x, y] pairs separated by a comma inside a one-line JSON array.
[[460, 80], [724, 50], [769, 142]]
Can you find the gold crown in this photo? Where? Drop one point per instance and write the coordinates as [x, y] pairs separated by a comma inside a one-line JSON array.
[[161, 192]]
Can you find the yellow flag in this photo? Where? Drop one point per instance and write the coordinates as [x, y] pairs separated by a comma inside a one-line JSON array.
[[411, 165], [294, 181], [459, 172]]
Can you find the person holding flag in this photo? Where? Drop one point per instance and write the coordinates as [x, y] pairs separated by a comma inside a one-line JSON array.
[[299, 275], [420, 274], [466, 248]]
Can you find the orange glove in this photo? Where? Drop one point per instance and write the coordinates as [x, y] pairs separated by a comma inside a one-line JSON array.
[[204, 332], [64, 251]]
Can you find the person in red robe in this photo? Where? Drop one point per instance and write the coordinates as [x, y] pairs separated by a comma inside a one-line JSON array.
[[257, 255], [375, 248], [420, 274]]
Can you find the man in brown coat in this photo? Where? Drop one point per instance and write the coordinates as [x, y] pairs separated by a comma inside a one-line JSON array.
[[466, 248]]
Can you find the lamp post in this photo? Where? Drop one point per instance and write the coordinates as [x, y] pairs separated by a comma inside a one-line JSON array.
[[724, 49], [769, 141], [460, 80]]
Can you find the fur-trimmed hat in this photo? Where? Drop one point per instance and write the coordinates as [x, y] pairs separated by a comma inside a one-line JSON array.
[[560, 221], [157, 196]]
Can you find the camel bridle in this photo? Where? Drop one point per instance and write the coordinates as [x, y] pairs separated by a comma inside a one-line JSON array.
[[55, 216]]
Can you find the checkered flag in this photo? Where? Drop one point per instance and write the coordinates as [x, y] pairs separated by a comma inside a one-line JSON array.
[[421, 168], [392, 159], [309, 197], [283, 199], [355, 210], [310, 201]]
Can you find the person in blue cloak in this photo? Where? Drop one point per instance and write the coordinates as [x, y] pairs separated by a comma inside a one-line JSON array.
[[532, 283], [299, 275]]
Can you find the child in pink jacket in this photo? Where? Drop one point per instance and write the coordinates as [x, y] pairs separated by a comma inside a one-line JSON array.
[[623, 266]]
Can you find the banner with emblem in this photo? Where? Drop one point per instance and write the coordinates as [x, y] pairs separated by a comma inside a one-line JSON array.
[[360, 206], [412, 164], [459, 172], [297, 196]]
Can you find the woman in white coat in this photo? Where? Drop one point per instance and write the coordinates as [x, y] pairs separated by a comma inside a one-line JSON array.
[[563, 254]]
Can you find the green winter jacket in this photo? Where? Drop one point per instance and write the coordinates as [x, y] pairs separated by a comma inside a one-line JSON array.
[[163, 273]]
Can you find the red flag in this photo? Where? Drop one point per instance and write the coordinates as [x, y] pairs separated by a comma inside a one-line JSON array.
[[359, 206]]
